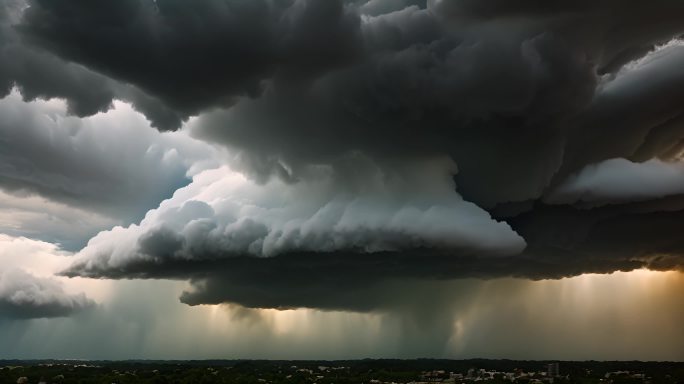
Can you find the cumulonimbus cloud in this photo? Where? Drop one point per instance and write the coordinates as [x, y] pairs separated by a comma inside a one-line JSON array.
[[335, 112]]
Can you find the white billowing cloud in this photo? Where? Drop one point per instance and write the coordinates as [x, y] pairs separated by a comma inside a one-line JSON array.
[[42, 260], [364, 209], [36, 257], [673, 49], [619, 181], [23, 295], [381, 7], [27, 288]]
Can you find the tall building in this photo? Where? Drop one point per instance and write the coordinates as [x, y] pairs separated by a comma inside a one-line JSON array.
[[553, 370]]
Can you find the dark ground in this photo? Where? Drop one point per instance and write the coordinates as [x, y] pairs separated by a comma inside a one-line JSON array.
[[340, 371]]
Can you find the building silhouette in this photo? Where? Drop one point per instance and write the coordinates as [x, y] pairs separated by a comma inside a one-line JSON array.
[[553, 370]]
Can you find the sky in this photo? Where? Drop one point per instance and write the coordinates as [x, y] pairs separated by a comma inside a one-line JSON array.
[[308, 179]]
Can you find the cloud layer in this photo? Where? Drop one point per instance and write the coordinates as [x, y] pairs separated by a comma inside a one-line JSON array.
[[620, 180]]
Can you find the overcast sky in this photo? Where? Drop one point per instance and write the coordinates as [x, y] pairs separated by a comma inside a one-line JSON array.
[[341, 179]]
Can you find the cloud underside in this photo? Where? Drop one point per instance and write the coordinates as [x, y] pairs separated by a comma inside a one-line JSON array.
[[376, 141], [359, 282]]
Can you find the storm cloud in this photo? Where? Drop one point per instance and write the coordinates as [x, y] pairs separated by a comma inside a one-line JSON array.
[[371, 142], [503, 91]]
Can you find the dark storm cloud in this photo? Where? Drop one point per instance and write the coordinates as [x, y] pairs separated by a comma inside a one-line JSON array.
[[636, 113], [605, 239], [514, 101], [40, 74], [527, 99], [423, 89], [24, 296], [194, 55], [488, 83]]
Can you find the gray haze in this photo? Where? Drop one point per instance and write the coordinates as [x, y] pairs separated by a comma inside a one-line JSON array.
[[566, 319]]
